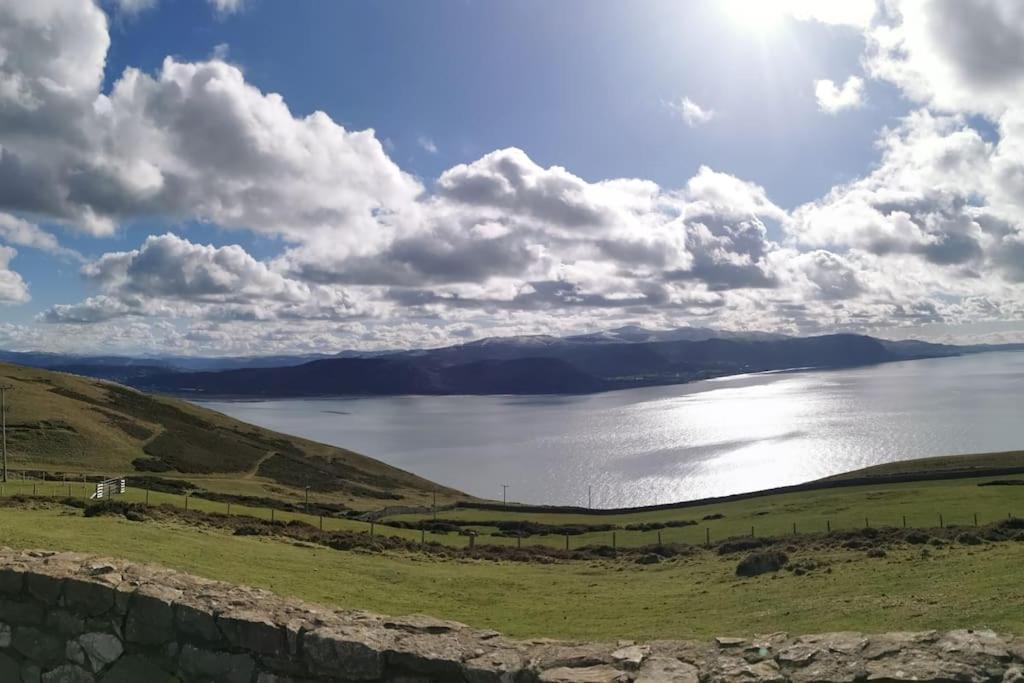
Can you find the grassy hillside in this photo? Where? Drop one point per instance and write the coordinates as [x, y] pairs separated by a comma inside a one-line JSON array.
[[66, 425]]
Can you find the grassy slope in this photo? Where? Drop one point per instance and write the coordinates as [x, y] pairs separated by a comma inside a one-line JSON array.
[[699, 596], [69, 424]]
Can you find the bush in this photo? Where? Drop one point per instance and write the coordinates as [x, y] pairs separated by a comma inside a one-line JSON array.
[[967, 538], [762, 563], [876, 552], [917, 537]]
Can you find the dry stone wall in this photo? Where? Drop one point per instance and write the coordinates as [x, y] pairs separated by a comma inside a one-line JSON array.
[[71, 617]]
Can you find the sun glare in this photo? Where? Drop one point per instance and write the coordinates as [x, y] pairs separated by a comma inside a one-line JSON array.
[[755, 15]]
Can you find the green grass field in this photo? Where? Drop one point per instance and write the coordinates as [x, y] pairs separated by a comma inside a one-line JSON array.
[[697, 596], [923, 505], [63, 424]]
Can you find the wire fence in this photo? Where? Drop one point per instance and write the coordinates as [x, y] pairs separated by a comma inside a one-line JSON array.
[[705, 532]]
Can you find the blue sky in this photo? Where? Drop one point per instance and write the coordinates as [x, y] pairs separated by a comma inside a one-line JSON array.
[[590, 86]]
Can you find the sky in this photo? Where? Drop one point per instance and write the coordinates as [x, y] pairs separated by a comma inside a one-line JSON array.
[[248, 177]]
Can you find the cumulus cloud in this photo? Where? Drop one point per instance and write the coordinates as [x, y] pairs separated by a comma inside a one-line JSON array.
[[17, 231], [372, 257], [170, 276], [691, 113], [13, 289], [833, 98], [952, 55], [194, 140]]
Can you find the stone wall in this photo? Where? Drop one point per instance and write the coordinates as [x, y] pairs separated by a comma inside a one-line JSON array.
[[70, 617]]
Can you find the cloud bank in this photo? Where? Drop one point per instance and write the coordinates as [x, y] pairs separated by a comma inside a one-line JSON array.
[[372, 256]]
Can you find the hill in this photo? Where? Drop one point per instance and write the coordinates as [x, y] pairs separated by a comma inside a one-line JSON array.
[[532, 365], [64, 425]]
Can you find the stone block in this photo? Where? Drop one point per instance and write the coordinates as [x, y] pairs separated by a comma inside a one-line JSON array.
[[38, 646], [102, 649], [68, 673], [217, 666], [88, 598], [150, 620], [44, 588]]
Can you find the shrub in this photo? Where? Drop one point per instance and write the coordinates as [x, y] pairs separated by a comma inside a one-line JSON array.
[[967, 538]]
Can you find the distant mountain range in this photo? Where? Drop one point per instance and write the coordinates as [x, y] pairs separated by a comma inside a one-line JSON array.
[[614, 359]]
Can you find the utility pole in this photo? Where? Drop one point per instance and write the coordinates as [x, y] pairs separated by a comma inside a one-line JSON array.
[[590, 497], [504, 495], [4, 388]]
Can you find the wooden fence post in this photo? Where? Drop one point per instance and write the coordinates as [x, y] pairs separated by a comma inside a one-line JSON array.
[[828, 525], [707, 536]]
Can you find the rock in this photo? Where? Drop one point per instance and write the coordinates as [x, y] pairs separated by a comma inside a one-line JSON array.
[[197, 623], [602, 673], [30, 673], [21, 612], [88, 597], [68, 673], [45, 589], [9, 670], [631, 657], [339, 654], [762, 563], [5, 635], [150, 618], [64, 622], [253, 631], [38, 646], [102, 649], [137, 669], [73, 652], [220, 666], [1014, 674], [666, 670], [11, 581], [724, 641]]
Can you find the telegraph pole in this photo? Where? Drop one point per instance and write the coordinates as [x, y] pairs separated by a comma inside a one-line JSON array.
[[4, 388], [504, 495]]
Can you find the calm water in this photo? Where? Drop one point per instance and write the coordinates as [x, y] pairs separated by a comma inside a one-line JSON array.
[[657, 445]]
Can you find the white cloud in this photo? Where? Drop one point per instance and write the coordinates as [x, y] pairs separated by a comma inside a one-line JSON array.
[[954, 56], [17, 231], [691, 113], [833, 99], [427, 144], [13, 289], [133, 6], [226, 7]]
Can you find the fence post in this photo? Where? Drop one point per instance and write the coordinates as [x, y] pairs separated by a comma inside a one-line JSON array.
[[614, 545], [519, 540], [186, 501], [794, 528], [828, 525], [371, 530], [867, 524], [271, 514], [751, 530], [942, 524], [659, 539], [423, 532], [229, 508], [707, 536], [975, 519], [904, 521], [472, 540], [321, 522], [567, 541]]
